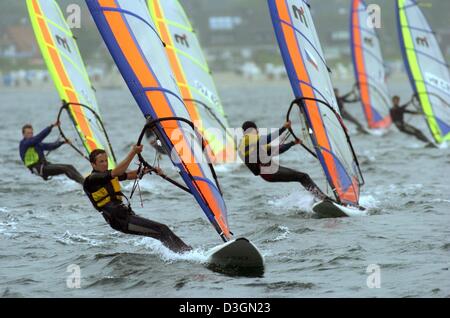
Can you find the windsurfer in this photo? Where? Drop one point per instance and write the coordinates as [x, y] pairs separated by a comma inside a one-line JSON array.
[[341, 101], [257, 155], [398, 112], [32, 153], [103, 189]]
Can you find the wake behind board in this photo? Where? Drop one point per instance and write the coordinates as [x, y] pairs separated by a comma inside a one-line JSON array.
[[330, 209], [236, 257]]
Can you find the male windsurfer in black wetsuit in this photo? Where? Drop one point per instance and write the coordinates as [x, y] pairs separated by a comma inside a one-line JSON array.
[[32, 153], [103, 189], [341, 101], [398, 112], [257, 155]]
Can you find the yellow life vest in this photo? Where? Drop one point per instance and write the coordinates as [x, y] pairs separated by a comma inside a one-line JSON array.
[[248, 146], [106, 194], [31, 157]]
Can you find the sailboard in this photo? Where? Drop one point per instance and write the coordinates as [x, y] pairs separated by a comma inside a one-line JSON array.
[[315, 102], [193, 77], [138, 51], [426, 67], [329, 209], [66, 67], [235, 256], [369, 68]]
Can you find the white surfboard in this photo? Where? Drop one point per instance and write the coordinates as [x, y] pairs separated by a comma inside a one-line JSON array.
[[239, 254], [330, 209]]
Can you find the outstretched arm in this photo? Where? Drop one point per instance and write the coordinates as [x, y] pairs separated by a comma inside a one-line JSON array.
[[53, 145], [133, 175], [405, 105], [346, 98], [353, 100], [122, 167], [407, 111], [274, 151], [412, 112], [286, 147], [267, 140]]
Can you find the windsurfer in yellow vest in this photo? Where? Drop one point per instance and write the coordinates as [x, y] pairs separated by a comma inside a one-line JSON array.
[[32, 154], [103, 189], [257, 154]]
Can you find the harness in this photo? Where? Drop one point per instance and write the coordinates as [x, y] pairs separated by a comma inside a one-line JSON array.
[[34, 163], [111, 192], [248, 147]]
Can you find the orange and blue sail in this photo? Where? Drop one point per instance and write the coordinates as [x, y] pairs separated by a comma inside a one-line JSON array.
[[369, 68], [138, 51], [427, 68], [310, 81], [193, 77], [67, 69]]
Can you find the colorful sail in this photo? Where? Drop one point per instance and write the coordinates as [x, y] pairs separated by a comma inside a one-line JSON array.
[[310, 81], [135, 45], [427, 69], [66, 67], [369, 68], [193, 76]]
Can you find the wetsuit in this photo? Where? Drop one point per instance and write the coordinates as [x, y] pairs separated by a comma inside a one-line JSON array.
[[397, 115], [32, 155], [105, 194], [257, 153], [341, 100]]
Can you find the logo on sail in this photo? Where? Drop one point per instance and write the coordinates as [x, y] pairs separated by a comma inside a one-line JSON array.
[[437, 82], [300, 15], [422, 41], [182, 39], [63, 42]]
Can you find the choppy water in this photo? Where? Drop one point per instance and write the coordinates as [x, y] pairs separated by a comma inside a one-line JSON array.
[[46, 227]]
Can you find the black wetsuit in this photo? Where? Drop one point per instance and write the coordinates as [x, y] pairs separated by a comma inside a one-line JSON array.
[[341, 101], [258, 159], [51, 169], [41, 166], [397, 115], [122, 218]]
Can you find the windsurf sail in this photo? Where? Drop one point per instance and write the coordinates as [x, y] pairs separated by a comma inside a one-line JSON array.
[[138, 50], [426, 67], [66, 67], [311, 83], [193, 77], [369, 68]]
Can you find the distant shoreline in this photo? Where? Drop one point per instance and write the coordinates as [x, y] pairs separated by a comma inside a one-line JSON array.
[[115, 81]]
